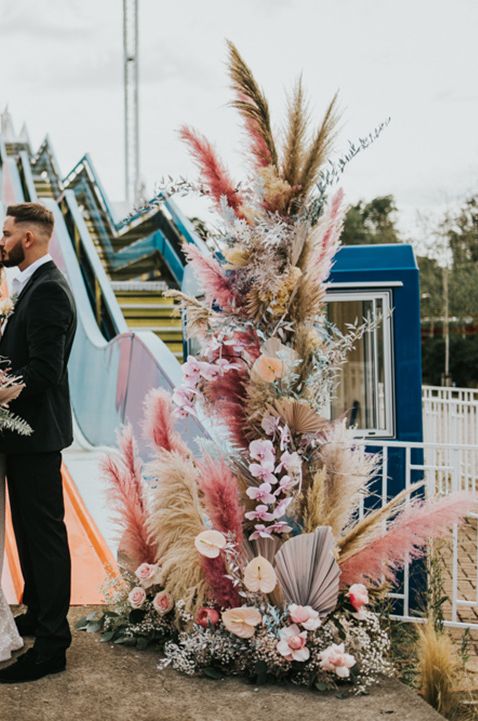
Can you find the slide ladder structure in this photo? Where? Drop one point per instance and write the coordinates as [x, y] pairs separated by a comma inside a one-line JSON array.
[[128, 339]]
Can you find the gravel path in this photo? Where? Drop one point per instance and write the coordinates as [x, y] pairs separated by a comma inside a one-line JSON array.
[[105, 683]]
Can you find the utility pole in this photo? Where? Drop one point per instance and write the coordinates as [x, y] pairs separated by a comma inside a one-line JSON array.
[[446, 327], [131, 106]]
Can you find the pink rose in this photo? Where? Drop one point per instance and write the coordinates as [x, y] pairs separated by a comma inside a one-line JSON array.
[[148, 574], [305, 616], [335, 660], [292, 644], [207, 617], [136, 597], [163, 603]]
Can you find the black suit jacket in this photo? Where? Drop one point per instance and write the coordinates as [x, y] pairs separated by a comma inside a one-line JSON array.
[[36, 344]]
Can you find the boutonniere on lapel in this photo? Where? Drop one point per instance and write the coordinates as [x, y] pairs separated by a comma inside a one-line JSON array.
[[7, 307]]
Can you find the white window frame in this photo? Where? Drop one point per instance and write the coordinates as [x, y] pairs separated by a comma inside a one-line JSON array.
[[349, 292]]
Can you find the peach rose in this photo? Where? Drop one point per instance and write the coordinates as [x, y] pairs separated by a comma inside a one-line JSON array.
[[136, 597], [268, 369], [163, 603]]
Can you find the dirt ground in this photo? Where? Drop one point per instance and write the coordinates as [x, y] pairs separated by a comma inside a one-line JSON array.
[[105, 683]]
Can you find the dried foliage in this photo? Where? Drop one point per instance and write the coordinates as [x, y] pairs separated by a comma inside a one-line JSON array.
[[174, 522], [438, 667]]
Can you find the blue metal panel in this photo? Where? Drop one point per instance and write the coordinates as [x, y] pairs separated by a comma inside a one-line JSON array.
[[394, 263]]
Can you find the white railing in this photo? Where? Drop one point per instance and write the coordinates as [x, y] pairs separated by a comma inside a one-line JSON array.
[[445, 468], [450, 415], [450, 393]]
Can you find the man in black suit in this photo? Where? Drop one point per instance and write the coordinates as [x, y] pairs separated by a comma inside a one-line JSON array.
[[36, 343]]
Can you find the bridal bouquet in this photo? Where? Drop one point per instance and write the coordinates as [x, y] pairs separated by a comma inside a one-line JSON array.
[[10, 389], [251, 558]]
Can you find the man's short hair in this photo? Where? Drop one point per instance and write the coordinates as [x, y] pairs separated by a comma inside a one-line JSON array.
[[33, 213]]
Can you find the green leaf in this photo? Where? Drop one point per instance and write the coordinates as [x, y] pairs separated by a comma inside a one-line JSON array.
[[136, 615], [95, 616], [107, 636], [125, 641], [261, 672], [142, 643], [321, 686], [94, 627], [81, 624], [213, 672]]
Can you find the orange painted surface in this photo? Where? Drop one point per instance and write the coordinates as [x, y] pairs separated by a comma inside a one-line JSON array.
[[91, 558]]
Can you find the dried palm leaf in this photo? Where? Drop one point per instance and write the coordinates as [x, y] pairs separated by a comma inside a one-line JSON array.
[[174, 522], [299, 416], [308, 572], [319, 149], [254, 109], [294, 143], [297, 243], [371, 525]]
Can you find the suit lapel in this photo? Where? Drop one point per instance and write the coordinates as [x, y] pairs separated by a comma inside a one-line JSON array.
[[31, 281]]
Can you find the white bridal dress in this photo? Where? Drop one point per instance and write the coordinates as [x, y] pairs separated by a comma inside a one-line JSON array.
[[9, 638]]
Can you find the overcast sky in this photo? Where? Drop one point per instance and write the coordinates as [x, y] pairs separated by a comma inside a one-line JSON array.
[[415, 60]]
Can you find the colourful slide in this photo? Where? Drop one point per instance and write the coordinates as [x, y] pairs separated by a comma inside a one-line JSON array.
[[112, 367]]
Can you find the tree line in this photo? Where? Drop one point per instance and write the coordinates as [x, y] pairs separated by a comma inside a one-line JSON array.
[[448, 283]]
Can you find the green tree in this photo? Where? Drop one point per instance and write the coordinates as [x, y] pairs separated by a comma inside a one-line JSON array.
[[372, 222]]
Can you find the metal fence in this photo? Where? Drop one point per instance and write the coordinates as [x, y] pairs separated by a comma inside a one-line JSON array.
[[445, 467], [450, 415]]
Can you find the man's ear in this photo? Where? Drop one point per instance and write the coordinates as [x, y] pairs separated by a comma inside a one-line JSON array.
[[29, 239]]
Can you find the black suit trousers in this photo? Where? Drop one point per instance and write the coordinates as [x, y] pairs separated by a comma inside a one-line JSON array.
[[36, 500]]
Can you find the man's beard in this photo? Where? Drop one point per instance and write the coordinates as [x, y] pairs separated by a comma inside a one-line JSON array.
[[15, 256]]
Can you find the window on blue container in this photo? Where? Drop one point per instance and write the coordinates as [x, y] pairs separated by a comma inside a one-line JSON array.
[[364, 391]]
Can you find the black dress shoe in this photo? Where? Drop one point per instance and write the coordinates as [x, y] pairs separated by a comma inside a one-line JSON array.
[[29, 667], [25, 624]]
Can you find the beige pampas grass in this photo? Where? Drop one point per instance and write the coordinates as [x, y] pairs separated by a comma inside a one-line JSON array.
[[314, 506], [438, 666], [371, 525], [348, 471], [319, 148], [253, 107], [174, 522], [294, 142]]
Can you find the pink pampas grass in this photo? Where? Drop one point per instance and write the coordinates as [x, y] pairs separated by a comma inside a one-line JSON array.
[[330, 228], [126, 494], [406, 536], [213, 173], [222, 589], [221, 498], [213, 280], [159, 422]]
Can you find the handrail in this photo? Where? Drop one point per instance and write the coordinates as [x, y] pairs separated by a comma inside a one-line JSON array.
[[82, 241]]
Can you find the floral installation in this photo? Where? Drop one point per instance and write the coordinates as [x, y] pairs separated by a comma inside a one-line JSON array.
[[251, 558]]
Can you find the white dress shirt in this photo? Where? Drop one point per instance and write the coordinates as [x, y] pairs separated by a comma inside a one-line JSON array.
[[20, 281]]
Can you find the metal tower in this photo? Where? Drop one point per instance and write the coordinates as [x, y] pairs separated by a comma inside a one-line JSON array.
[[131, 111]]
